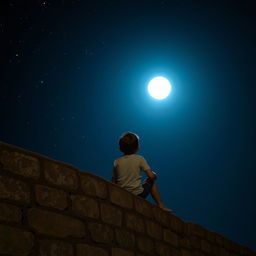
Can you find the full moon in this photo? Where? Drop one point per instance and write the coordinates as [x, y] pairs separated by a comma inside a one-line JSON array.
[[159, 88]]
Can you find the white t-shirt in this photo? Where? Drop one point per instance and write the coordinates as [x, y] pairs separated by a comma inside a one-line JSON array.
[[127, 171]]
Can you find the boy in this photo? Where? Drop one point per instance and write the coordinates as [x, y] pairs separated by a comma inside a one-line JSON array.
[[127, 170]]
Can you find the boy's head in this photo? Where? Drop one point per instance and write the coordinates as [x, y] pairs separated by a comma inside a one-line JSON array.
[[129, 143]]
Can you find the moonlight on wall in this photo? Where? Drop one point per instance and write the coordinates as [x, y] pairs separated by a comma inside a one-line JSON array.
[[159, 88]]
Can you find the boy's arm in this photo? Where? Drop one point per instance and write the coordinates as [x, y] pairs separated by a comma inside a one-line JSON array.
[[152, 175]]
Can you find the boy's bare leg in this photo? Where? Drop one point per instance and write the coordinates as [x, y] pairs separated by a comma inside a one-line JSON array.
[[156, 196]]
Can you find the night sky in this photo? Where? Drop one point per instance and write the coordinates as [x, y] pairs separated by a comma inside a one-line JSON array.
[[74, 77]]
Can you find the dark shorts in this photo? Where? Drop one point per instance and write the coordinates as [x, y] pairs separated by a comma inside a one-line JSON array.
[[147, 188]]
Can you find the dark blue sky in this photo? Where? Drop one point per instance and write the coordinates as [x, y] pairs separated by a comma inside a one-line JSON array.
[[74, 79]]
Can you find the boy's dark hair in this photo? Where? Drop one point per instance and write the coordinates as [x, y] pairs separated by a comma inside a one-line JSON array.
[[129, 143]]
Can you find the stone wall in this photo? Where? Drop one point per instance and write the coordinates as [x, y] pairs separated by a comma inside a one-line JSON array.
[[51, 208]]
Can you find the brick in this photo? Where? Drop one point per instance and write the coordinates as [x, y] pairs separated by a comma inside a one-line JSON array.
[[121, 197], [170, 237], [197, 230], [184, 252], [15, 241], [135, 222], [124, 238], [10, 213], [154, 230], [111, 214], [21, 164], [161, 216], [55, 247], [101, 233], [205, 246], [145, 244], [14, 190], [85, 206], [93, 186], [121, 252], [195, 242], [162, 249], [143, 207], [60, 175], [184, 242], [55, 224], [51, 197], [176, 224], [88, 250]]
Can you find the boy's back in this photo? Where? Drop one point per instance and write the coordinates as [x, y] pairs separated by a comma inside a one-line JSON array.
[[128, 172]]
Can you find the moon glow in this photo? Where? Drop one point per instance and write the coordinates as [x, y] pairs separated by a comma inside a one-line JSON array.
[[159, 88]]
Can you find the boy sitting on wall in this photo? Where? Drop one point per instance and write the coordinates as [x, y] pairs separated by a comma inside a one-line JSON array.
[[127, 171]]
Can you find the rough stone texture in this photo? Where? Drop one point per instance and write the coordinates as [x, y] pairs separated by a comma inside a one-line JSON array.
[[15, 241], [144, 207], [145, 244], [60, 175], [19, 163], [10, 213], [121, 252], [154, 230], [111, 214], [184, 242], [93, 186], [14, 189], [55, 248], [162, 249], [205, 246], [161, 216], [184, 252], [176, 224], [195, 242], [88, 250], [51, 197], [135, 223], [170, 237], [124, 238], [55, 224], [85, 206], [197, 230], [121, 197], [100, 233]]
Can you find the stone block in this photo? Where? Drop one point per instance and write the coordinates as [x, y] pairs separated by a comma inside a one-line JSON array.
[[184, 242], [88, 250], [111, 214], [224, 252], [55, 248], [55, 224], [210, 236], [197, 230], [206, 247], [124, 238], [176, 224], [135, 222], [195, 242], [10, 213], [93, 186], [145, 244], [85, 206], [60, 175], [21, 164], [219, 239], [14, 190], [161, 216], [170, 237], [121, 197], [143, 207], [154, 230], [15, 241], [51, 197], [121, 252], [101, 233], [162, 249], [185, 252]]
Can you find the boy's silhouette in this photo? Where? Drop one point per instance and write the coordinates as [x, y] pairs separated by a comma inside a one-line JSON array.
[[127, 171]]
